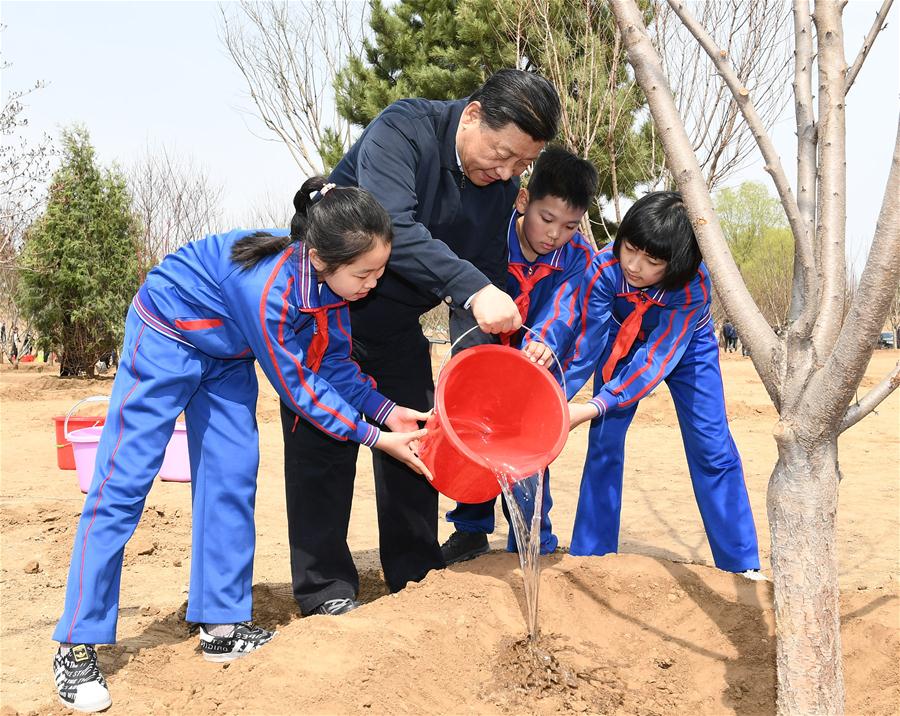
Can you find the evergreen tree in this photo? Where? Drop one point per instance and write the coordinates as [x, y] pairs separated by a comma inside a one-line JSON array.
[[445, 49], [421, 48], [79, 265]]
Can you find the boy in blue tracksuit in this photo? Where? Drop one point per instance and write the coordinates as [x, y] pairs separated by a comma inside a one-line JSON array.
[[646, 318], [548, 258], [192, 334]]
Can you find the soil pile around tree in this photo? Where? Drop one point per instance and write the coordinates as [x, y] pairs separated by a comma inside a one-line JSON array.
[[650, 631]]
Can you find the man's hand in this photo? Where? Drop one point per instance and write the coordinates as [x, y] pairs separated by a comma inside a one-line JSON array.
[[495, 311], [539, 353]]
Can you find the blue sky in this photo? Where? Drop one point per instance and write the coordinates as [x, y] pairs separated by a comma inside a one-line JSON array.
[[139, 73], [145, 72]]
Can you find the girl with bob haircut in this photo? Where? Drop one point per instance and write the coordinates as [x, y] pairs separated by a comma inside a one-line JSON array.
[[195, 329], [646, 318]]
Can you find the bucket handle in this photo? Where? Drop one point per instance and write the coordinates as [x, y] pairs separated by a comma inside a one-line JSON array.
[[91, 399], [562, 374]]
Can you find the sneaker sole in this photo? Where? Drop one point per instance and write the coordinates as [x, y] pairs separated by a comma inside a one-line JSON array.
[[88, 709], [469, 555], [223, 658]]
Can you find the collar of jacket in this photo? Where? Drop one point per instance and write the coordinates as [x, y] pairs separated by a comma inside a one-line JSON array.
[[309, 297], [446, 128]]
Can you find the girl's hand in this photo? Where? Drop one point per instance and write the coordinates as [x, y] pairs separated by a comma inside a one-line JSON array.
[[405, 420], [582, 412], [403, 446], [538, 352]]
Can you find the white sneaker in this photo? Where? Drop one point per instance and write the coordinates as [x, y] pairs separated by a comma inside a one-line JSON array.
[[244, 638], [79, 683], [754, 575]]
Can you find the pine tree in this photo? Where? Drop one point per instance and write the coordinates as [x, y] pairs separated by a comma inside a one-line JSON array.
[[421, 48], [79, 265], [445, 49]]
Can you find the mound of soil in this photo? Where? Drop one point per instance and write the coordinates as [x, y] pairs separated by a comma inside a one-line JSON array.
[[649, 631]]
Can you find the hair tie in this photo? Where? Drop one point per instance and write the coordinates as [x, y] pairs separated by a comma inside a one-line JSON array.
[[317, 195]]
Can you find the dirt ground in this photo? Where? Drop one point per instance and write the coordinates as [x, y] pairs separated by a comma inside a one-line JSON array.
[[653, 630]]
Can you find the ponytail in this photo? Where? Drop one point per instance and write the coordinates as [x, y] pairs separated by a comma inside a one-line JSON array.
[[250, 250]]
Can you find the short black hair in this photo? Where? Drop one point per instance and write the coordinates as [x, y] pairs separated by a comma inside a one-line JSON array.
[[658, 224], [524, 98], [560, 173]]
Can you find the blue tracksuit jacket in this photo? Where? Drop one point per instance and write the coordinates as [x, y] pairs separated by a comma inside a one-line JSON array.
[[553, 311], [676, 344], [200, 297], [191, 337]]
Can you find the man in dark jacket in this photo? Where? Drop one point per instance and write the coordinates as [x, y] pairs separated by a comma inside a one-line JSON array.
[[447, 173]]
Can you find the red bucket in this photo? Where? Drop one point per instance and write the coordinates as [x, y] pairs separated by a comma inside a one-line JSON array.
[[493, 409], [65, 458]]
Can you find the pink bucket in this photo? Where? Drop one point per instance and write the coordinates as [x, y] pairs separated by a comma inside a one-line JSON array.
[[176, 466], [84, 447]]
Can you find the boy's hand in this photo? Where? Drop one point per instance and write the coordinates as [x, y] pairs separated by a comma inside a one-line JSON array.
[[403, 446], [582, 412], [495, 311], [405, 420], [539, 353]]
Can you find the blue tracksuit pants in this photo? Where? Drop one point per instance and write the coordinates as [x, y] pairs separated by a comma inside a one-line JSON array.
[[157, 379], [715, 466], [480, 518]]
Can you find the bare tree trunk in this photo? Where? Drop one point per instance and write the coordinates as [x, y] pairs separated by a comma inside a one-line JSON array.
[[802, 503], [812, 376]]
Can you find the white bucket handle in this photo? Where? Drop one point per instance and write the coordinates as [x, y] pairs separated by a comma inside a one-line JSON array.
[[91, 399], [530, 330]]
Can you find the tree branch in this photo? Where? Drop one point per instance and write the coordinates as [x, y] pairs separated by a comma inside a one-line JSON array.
[[877, 27], [805, 291], [683, 165], [847, 363], [751, 116], [872, 399], [831, 196]]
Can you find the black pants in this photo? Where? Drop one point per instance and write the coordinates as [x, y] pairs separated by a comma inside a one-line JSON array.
[[319, 475]]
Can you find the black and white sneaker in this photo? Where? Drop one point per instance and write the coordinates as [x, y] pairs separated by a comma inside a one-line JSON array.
[[336, 607], [79, 683], [244, 639], [463, 546]]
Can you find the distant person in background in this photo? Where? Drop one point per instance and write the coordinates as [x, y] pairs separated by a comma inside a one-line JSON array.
[[14, 347], [729, 332]]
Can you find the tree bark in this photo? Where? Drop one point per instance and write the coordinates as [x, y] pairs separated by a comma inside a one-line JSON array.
[[812, 381], [802, 505]]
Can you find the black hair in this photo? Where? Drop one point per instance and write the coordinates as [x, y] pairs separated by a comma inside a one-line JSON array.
[[658, 224], [557, 172], [524, 98], [340, 224]]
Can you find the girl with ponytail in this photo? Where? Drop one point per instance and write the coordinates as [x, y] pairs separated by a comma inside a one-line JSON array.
[[193, 334]]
